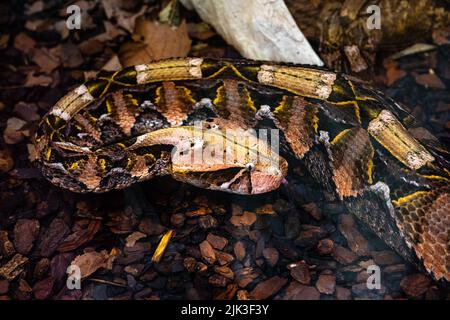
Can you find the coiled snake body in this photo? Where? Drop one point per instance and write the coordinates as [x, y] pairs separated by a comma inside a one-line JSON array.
[[123, 127]]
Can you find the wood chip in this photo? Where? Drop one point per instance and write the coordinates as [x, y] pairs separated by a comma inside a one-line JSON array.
[[162, 246], [207, 252], [267, 288]]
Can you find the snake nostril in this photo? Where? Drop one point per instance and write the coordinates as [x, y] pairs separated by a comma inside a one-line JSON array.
[[250, 166]]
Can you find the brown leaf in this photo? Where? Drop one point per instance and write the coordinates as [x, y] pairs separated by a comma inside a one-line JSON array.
[[113, 64], [125, 19], [45, 59], [131, 240], [69, 54], [42, 80], [429, 80], [13, 132], [393, 73], [92, 261], [159, 41]]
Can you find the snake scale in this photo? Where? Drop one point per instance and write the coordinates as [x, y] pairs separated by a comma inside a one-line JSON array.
[[123, 127]]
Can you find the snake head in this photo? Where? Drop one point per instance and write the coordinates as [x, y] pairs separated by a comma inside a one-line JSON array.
[[231, 162], [236, 161]]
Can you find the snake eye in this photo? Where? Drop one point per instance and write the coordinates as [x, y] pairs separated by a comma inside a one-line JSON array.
[[250, 166]]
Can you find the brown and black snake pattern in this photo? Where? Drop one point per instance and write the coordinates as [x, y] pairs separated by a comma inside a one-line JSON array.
[[122, 128]]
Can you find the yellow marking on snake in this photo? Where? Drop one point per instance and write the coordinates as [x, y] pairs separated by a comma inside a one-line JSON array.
[[355, 107], [409, 198], [339, 136]]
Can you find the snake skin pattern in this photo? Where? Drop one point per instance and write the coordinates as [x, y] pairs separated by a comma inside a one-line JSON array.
[[122, 128]]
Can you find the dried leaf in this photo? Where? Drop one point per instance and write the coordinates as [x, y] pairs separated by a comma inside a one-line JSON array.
[[162, 246], [13, 132], [42, 80], [133, 238], [92, 261], [124, 19], [429, 80], [159, 41], [45, 59], [113, 64]]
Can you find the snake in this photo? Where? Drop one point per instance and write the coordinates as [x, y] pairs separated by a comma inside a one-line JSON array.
[[257, 119]]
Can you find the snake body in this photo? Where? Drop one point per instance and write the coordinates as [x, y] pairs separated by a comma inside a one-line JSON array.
[[124, 126]]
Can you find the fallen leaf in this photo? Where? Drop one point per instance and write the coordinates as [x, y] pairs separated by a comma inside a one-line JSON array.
[[155, 41], [45, 59], [42, 80], [113, 64], [131, 240], [13, 132], [393, 73], [124, 18], [68, 54], [92, 261], [429, 80]]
